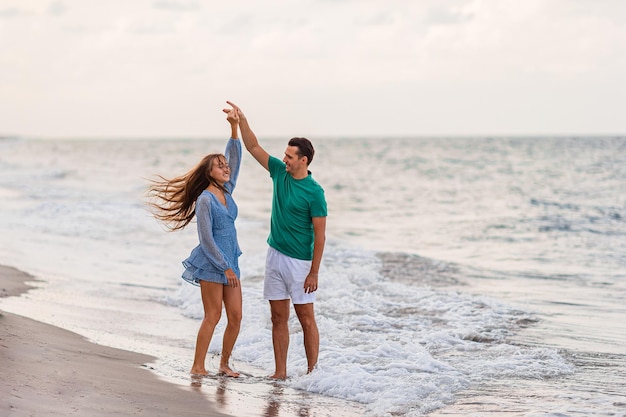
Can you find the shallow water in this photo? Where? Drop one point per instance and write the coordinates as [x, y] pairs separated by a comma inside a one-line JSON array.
[[461, 276]]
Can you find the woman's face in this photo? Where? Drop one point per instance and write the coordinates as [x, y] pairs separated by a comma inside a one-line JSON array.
[[220, 171]]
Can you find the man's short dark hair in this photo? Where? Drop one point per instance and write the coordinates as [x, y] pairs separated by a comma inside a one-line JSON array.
[[305, 148]]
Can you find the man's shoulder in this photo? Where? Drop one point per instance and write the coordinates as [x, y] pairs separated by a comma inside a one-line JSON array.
[[274, 161], [314, 185]]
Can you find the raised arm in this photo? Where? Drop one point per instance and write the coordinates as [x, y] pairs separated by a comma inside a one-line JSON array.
[[250, 140], [233, 148], [233, 119]]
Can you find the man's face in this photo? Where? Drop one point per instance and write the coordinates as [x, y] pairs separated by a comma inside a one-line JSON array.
[[293, 162]]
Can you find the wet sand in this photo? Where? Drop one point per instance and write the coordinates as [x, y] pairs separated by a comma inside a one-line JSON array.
[[50, 371], [53, 372]]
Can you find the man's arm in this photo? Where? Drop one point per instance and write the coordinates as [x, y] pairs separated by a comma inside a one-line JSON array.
[[319, 240], [250, 140]]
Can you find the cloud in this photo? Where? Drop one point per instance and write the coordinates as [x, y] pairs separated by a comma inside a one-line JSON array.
[[440, 15], [178, 6], [11, 12], [57, 8], [346, 64]]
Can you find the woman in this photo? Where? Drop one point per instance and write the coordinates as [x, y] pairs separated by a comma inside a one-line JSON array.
[[205, 192]]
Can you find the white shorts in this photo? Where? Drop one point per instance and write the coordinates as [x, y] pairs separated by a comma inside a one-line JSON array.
[[284, 278]]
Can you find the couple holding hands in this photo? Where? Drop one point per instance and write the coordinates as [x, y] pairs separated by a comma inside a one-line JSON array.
[[296, 241]]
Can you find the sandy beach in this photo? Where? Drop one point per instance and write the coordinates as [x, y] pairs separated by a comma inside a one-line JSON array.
[[48, 371]]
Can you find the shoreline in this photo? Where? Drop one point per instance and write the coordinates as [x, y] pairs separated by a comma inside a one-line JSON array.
[[51, 371], [47, 370]]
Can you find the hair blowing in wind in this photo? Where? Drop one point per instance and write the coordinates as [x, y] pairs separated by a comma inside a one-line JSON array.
[[173, 202]]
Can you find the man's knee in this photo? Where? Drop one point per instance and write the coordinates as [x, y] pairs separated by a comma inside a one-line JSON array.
[[280, 312], [279, 319], [306, 315]]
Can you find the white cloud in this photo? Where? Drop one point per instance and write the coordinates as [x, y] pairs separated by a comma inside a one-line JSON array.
[[184, 6], [165, 67], [57, 8]]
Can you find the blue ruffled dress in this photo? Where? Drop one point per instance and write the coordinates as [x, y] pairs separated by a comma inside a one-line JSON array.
[[219, 248]]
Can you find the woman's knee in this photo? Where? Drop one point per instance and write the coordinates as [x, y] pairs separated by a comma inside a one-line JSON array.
[[212, 317], [234, 317]]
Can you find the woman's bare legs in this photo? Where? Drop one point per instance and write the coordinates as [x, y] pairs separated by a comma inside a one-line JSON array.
[[232, 304], [212, 296]]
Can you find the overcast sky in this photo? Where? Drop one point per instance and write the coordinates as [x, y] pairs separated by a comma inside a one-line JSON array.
[[164, 68]]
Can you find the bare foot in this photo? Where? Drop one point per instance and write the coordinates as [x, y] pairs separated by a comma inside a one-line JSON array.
[[225, 370], [199, 372], [278, 376]]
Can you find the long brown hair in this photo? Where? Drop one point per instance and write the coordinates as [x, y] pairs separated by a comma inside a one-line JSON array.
[[173, 202]]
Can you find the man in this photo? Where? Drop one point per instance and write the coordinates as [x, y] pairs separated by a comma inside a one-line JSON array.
[[296, 242]]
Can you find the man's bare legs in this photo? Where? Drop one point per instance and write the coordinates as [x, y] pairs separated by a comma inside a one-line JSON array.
[[232, 304], [212, 294], [280, 336], [306, 315]]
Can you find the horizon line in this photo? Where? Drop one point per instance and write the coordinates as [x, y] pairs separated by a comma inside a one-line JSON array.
[[320, 137]]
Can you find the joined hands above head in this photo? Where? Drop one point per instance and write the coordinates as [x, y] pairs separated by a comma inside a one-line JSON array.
[[233, 118], [237, 110], [231, 115], [249, 138]]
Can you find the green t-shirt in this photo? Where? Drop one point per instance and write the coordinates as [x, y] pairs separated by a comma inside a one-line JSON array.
[[294, 203]]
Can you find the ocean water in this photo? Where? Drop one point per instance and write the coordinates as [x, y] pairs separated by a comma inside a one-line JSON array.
[[462, 276]]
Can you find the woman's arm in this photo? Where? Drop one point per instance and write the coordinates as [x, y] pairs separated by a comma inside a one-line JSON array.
[[233, 119], [233, 148], [205, 234], [250, 140], [233, 157]]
